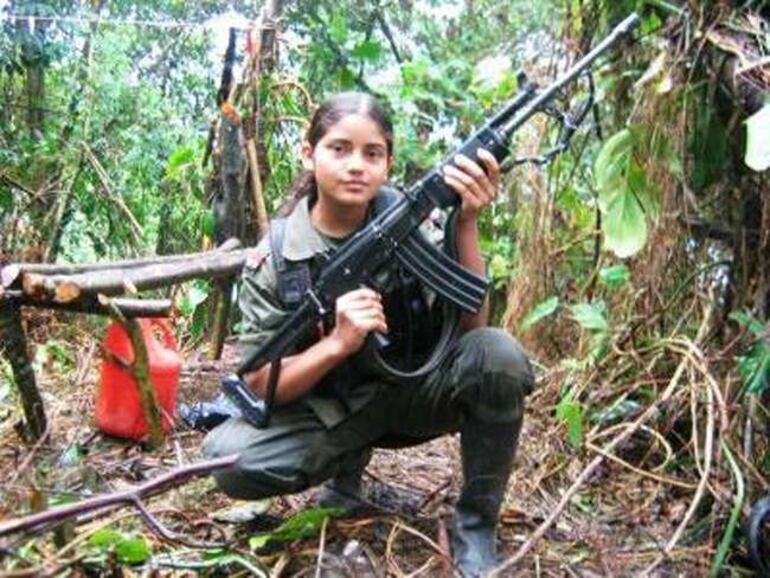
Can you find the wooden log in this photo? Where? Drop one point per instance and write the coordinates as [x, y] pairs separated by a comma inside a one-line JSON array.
[[13, 344], [11, 274], [224, 292], [93, 305], [67, 288], [106, 503], [140, 368]]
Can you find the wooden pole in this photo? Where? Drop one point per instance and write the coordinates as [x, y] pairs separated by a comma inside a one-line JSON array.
[[140, 369], [95, 305], [67, 288], [224, 291], [11, 275], [13, 344]]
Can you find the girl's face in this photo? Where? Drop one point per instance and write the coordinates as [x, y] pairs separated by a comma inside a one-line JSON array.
[[350, 162]]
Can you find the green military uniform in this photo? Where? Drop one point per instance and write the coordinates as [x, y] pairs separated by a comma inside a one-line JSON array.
[[483, 380]]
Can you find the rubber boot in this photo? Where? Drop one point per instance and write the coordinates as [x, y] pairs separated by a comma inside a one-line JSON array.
[[344, 490], [487, 454]]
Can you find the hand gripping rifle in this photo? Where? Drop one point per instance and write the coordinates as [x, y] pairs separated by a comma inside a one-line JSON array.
[[393, 234]]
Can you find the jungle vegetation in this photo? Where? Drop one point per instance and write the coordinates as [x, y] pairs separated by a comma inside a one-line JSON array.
[[635, 267]]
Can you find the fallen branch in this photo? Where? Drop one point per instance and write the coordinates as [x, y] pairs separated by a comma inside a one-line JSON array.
[[12, 273], [107, 502], [94, 305], [67, 288]]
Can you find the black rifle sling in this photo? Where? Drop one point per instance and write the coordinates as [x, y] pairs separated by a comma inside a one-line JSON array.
[[450, 316], [293, 279]]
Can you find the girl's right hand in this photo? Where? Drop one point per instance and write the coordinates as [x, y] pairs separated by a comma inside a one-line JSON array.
[[359, 312]]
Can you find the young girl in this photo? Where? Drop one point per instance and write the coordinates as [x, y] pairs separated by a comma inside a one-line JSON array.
[[328, 414]]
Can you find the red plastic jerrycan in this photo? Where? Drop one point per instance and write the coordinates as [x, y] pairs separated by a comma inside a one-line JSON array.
[[118, 404]]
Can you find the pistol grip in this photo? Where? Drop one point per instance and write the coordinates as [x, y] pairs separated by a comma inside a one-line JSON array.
[[253, 407]]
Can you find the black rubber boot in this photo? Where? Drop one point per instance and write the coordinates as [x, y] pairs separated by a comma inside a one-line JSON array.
[[344, 490], [487, 453]]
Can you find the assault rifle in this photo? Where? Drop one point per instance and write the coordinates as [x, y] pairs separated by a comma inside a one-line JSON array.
[[393, 234]]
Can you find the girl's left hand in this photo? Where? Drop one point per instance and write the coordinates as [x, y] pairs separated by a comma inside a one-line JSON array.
[[476, 185]]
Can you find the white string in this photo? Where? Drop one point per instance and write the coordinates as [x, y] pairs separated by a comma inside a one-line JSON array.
[[132, 21]]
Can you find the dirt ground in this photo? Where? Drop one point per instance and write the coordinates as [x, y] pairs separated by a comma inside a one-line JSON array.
[[615, 525]]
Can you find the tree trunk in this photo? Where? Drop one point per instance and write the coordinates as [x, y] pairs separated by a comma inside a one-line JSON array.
[[229, 200], [33, 57]]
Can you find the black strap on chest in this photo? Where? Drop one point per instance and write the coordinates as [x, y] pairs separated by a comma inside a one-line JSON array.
[[294, 278]]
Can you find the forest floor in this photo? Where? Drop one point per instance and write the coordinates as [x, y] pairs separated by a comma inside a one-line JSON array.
[[615, 525]]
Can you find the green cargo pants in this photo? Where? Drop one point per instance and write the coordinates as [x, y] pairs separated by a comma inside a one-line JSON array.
[[485, 377]]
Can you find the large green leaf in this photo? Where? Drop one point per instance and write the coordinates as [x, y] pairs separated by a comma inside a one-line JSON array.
[[571, 413], [612, 160], [539, 312], [302, 525], [624, 194], [591, 316], [615, 276], [624, 224]]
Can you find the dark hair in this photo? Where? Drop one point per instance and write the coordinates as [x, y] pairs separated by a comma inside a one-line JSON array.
[[327, 115]]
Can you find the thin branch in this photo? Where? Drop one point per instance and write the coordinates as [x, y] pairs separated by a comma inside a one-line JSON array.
[[158, 528], [140, 370], [112, 195], [388, 34], [107, 502]]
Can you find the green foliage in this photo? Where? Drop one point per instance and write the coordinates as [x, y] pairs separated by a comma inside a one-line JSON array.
[[754, 365], [194, 295], [302, 525], [624, 194], [539, 312], [128, 549], [615, 276], [570, 412], [54, 356], [131, 107], [593, 318]]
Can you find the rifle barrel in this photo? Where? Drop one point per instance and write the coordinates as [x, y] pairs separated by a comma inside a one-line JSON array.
[[534, 105]]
